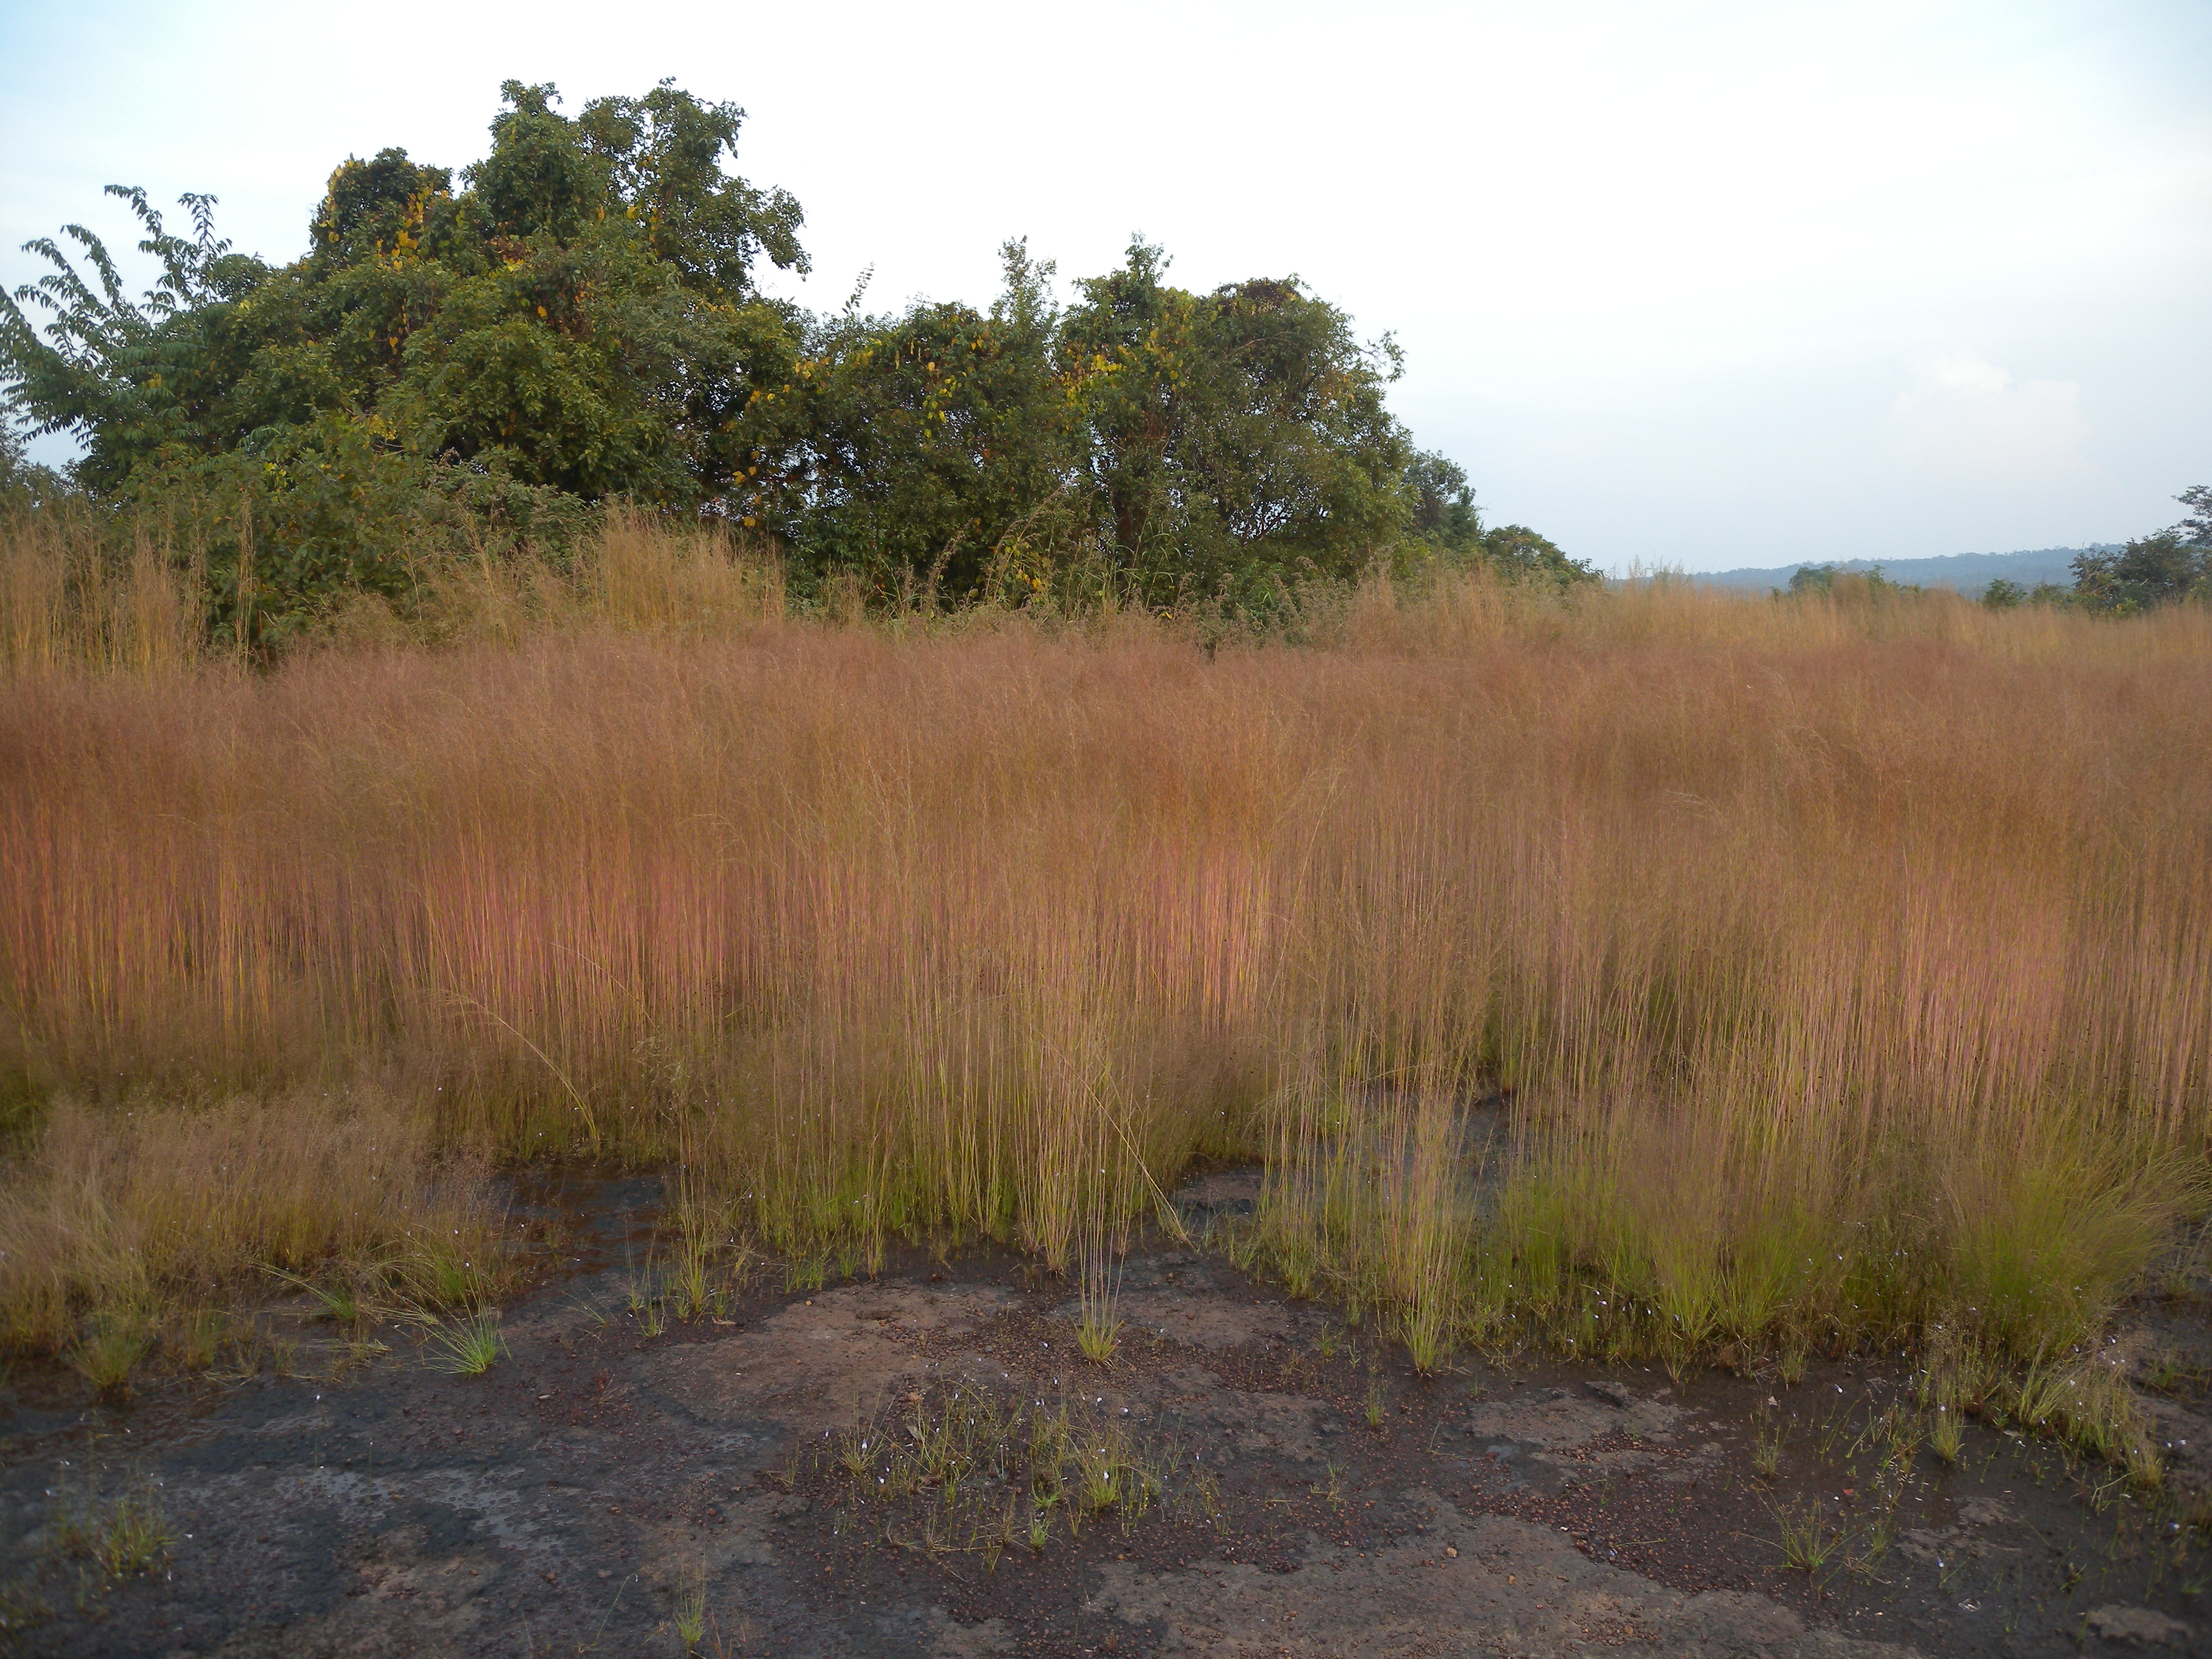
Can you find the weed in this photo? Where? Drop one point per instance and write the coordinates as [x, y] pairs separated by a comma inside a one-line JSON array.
[[1907, 1432], [1333, 1493], [2165, 1372], [1376, 1407], [1874, 1541]]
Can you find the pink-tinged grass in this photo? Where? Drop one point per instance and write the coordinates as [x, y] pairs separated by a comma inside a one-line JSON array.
[[1849, 961]]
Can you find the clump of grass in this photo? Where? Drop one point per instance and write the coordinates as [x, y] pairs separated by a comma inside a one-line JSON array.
[[2145, 1468], [1766, 1438], [1098, 1335], [194, 1337], [971, 1471], [1099, 1326], [452, 1267], [467, 1347], [1809, 1540], [1946, 1434], [125, 1537], [340, 1300], [115, 1341], [691, 1609]]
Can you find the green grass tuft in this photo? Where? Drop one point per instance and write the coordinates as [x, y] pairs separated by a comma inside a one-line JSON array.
[[467, 1347]]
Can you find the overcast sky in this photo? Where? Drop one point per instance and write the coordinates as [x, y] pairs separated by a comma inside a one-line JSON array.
[[1700, 285]]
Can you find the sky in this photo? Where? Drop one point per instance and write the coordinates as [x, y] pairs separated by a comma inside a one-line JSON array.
[[1679, 285]]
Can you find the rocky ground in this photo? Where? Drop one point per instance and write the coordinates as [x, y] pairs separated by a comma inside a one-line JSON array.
[[922, 1463]]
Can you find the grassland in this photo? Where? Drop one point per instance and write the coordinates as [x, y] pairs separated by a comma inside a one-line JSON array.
[[1846, 961]]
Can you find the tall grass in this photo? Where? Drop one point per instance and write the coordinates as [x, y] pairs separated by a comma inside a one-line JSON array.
[[1848, 960]]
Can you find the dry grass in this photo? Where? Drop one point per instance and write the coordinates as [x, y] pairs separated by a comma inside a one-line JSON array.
[[1849, 959], [120, 1219]]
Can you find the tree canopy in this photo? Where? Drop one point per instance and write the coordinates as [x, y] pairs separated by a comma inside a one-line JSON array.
[[2160, 569], [575, 319]]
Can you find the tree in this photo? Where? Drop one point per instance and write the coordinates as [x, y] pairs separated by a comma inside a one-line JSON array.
[[1519, 551], [23, 482], [1193, 446], [580, 316], [1234, 440], [1441, 510], [130, 379], [924, 450], [2196, 528], [2161, 568], [575, 318], [1838, 582]]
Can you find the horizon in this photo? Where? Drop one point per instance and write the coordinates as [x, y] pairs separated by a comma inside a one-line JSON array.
[[1719, 290]]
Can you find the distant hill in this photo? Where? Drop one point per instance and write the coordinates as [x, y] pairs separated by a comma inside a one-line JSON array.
[[1969, 573]]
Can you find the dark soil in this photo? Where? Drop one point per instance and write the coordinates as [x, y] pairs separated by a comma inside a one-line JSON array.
[[1303, 1492]]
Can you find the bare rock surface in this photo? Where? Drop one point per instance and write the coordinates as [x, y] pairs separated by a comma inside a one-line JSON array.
[[2138, 1627], [1286, 1485], [1475, 1585]]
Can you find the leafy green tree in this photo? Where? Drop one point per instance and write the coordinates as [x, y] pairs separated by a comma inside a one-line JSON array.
[[926, 450], [580, 316], [575, 318], [1235, 440], [2161, 568], [23, 482], [130, 379], [1441, 510], [1517, 550], [1192, 446], [1835, 581]]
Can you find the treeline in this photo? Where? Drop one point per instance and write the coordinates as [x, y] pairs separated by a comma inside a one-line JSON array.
[[482, 361], [2166, 567]]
